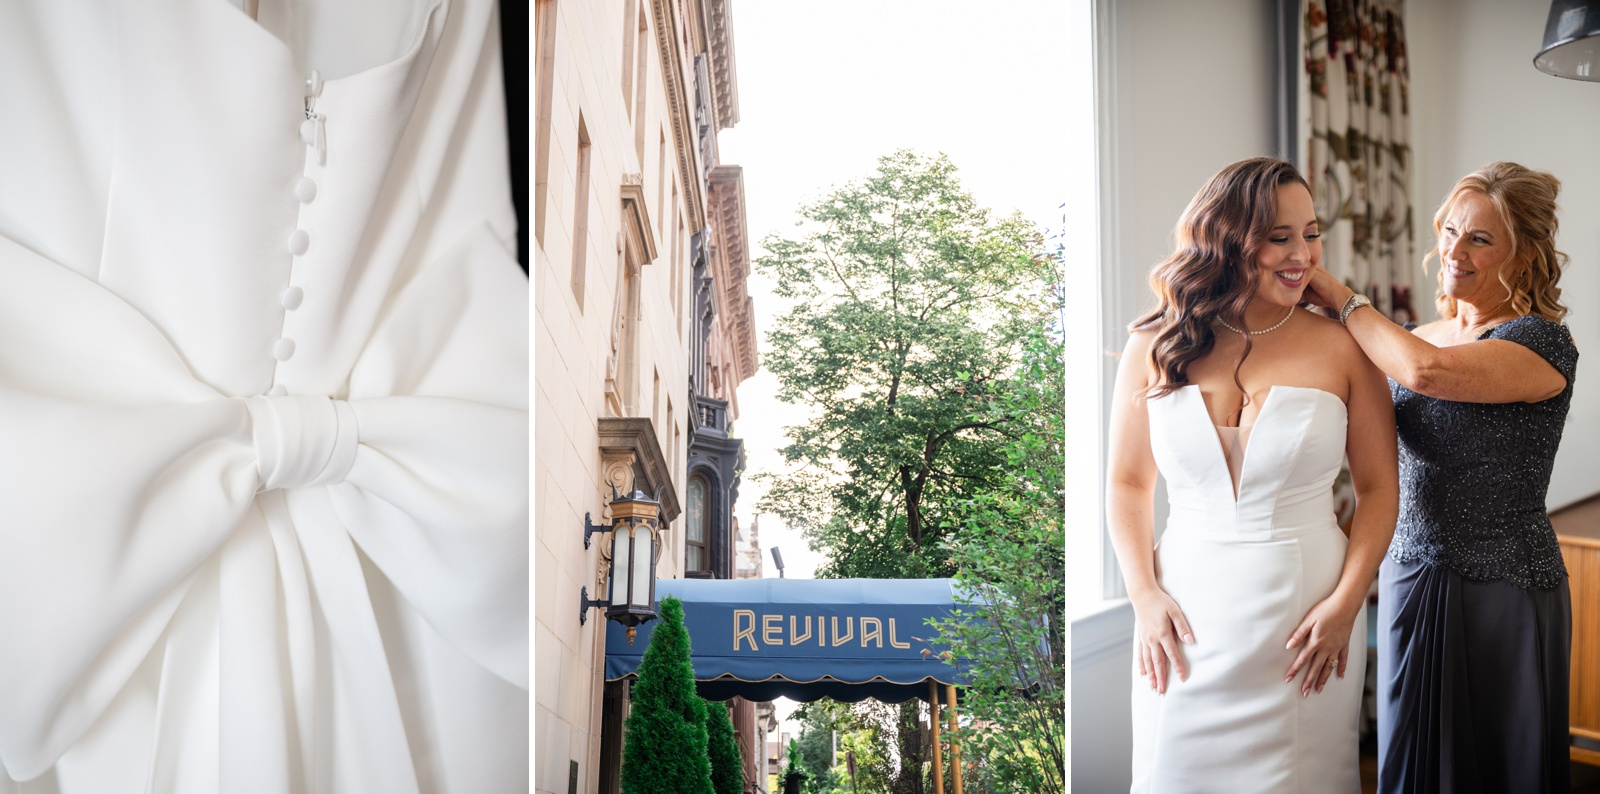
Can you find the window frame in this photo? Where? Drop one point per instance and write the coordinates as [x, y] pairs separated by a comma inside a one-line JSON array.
[[704, 517]]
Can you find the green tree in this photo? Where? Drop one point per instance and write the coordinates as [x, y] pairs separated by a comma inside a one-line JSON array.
[[666, 750], [1010, 559], [727, 766], [816, 751], [911, 301]]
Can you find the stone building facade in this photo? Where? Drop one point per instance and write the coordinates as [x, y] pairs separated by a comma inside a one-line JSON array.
[[643, 331]]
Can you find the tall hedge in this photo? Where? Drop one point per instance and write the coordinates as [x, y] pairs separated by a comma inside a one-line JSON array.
[[666, 750], [727, 767]]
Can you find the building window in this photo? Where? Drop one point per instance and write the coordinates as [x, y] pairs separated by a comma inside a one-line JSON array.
[[628, 40], [661, 187], [622, 363], [677, 279], [641, 61], [545, 21], [696, 553], [677, 261], [580, 215], [1089, 220]]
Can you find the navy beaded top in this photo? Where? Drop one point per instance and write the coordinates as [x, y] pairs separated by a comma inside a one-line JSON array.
[[1473, 476]]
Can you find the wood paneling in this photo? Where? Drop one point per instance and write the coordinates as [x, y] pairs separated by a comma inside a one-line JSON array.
[[1578, 530]]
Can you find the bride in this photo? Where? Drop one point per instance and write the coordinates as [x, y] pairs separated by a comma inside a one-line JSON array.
[[1246, 613]]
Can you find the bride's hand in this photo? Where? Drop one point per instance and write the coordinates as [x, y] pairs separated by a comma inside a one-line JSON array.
[[1324, 290], [1324, 642], [1158, 629]]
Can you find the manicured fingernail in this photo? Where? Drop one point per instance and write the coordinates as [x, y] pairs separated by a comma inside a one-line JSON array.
[[1188, 638]]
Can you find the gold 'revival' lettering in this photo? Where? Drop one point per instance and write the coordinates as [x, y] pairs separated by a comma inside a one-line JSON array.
[[746, 633], [875, 633], [849, 630], [772, 629], [796, 639], [894, 642]]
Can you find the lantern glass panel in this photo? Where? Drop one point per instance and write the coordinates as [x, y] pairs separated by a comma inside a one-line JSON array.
[[621, 547], [643, 561]]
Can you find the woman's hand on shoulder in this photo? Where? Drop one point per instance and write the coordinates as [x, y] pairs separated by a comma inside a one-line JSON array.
[[1325, 290]]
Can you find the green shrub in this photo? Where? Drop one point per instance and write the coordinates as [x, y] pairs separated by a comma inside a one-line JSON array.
[[666, 744], [727, 767]]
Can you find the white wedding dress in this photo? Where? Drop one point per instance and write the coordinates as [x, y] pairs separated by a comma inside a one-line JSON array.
[[1245, 570], [263, 401]]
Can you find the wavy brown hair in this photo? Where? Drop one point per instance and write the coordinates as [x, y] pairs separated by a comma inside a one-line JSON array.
[[1525, 200], [1212, 272]]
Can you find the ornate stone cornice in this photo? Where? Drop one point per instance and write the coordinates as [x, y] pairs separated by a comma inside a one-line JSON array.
[[724, 71], [732, 265], [675, 60], [633, 438]]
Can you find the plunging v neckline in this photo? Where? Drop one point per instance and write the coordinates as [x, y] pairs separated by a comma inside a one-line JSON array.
[[1244, 459], [1216, 438]]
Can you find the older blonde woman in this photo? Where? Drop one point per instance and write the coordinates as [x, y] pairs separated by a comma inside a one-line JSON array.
[[1474, 609]]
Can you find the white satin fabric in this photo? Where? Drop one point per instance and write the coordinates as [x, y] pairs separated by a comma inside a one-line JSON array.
[[263, 514], [1245, 571]]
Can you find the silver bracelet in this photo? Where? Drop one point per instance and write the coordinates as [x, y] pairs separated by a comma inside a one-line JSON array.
[[1355, 301]]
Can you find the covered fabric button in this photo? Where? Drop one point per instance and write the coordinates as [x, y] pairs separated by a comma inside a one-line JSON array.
[[305, 190], [299, 241], [314, 83], [283, 349], [302, 441], [292, 297]]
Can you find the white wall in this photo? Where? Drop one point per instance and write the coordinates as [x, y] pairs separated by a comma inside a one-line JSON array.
[[1102, 719], [1190, 90], [1476, 98]]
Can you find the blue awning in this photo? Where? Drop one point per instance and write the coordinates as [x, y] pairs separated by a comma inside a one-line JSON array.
[[804, 639]]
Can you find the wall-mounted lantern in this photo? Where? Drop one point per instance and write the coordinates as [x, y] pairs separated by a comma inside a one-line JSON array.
[[631, 573]]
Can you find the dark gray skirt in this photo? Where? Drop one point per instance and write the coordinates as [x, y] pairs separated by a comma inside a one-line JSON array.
[[1472, 684]]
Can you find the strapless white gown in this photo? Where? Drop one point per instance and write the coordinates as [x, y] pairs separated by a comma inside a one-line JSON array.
[[1245, 570]]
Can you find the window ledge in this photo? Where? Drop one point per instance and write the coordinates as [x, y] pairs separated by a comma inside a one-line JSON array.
[[1103, 628]]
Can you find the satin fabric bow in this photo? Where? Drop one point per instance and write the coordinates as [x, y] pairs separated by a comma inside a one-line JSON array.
[[142, 510]]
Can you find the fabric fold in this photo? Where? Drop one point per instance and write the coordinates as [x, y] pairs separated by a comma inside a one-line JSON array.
[[123, 475], [302, 442]]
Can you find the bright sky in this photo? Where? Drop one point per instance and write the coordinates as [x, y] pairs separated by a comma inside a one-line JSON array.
[[827, 87]]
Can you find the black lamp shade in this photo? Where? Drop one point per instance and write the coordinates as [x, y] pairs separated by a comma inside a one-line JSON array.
[[1571, 41]]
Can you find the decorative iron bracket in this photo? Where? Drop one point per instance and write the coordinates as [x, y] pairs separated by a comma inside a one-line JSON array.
[[589, 528], [585, 603]]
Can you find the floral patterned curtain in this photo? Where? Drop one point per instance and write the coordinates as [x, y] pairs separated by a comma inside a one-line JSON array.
[[1358, 156]]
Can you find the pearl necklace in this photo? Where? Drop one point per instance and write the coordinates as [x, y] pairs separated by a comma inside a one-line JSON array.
[[1262, 331]]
